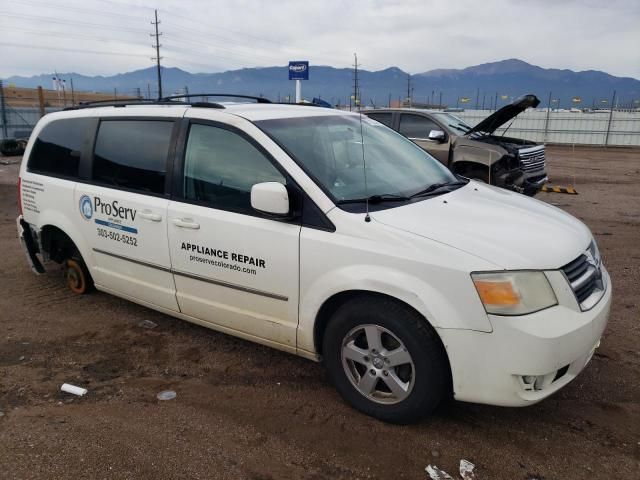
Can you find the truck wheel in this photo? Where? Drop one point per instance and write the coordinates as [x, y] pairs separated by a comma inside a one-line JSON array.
[[385, 360], [77, 276]]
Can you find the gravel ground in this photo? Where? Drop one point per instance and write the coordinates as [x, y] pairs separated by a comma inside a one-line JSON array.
[[244, 411]]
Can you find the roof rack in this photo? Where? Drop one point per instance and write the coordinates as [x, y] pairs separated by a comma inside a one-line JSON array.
[[125, 102], [171, 100], [226, 95]]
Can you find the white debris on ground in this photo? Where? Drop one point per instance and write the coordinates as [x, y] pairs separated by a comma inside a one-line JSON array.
[[147, 324], [436, 474], [79, 391], [466, 472], [166, 395]]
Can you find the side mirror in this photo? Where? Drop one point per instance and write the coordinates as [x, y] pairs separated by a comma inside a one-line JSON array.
[[437, 135], [271, 198]]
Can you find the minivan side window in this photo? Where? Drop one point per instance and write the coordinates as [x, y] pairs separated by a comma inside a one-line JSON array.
[[416, 126], [220, 167], [383, 118], [132, 154], [57, 148]]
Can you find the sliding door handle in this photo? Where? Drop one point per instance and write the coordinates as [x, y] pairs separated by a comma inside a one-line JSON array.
[[185, 223], [148, 215]]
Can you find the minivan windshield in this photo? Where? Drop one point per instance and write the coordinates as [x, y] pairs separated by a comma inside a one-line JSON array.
[[329, 148]]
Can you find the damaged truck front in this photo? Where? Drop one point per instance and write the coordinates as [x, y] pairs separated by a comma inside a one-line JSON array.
[[475, 152]]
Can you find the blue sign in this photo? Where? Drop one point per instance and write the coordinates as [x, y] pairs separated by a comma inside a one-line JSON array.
[[299, 70]]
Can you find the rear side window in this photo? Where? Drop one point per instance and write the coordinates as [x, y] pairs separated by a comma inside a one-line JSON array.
[[383, 118], [57, 149], [132, 154], [220, 167], [416, 126]]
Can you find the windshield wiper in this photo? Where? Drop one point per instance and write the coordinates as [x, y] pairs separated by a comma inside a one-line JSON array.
[[460, 127], [434, 188], [380, 198]]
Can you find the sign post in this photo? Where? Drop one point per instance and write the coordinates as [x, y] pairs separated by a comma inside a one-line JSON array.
[[298, 70]]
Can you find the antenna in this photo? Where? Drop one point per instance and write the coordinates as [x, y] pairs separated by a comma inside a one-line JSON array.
[[367, 217]]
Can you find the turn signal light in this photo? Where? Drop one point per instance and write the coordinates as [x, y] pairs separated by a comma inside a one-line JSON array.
[[497, 293]]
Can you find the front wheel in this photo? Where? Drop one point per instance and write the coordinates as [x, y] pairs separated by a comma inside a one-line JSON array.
[[385, 360]]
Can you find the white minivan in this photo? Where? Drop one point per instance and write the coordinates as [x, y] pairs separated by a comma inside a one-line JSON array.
[[324, 234]]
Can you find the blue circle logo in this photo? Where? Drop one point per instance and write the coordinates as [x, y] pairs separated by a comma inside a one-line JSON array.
[[86, 208]]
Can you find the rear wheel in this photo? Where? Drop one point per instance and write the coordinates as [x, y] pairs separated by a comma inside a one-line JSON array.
[[77, 276], [385, 360]]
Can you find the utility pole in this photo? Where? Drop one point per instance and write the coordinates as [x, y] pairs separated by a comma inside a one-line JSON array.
[[3, 112], [356, 86], [41, 101], [546, 122], [409, 89], [73, 96], [477, 98], [186, 90], [613, 101], [157, 57], [148, 91], [440, 102], [484, 94]]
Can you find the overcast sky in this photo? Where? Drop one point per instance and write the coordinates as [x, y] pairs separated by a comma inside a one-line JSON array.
[[104, 37]]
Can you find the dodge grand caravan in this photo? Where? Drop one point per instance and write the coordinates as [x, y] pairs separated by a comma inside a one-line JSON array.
[[320, 233], [475, 152]]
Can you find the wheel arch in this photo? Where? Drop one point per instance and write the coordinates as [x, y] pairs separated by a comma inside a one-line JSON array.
[[54, 227], [465, 166], [331, 305]]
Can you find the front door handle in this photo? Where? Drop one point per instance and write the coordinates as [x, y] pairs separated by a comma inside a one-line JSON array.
[[148, 215], [185, 223]]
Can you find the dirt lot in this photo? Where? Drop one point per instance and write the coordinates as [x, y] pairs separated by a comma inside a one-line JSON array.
[[245, 411]]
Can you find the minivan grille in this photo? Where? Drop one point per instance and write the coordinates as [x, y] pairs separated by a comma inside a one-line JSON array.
[[585, 277], [532, 159]]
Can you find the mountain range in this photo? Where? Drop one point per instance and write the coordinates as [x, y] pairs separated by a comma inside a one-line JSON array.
[[484, 83]]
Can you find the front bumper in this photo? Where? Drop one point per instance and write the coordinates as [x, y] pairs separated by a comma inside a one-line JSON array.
[[532, 185], [525, 359]]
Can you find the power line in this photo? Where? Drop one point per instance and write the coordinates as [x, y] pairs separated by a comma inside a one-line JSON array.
[[76, 9], [62, 34], [73, 50], [67, 22]]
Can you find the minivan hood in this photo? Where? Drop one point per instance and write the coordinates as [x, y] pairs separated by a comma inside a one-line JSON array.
[[506, 113], [508, 229]]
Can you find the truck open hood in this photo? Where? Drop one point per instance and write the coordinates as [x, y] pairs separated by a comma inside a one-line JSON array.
[[506, 113], [505, 228]]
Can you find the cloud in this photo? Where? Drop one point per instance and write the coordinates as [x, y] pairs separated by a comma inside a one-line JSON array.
[[110, 36]]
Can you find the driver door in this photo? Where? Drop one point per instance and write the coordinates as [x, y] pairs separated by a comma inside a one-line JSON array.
[[417, 127]]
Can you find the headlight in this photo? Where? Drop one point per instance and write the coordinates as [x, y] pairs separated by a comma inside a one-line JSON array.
[[514, 293]]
